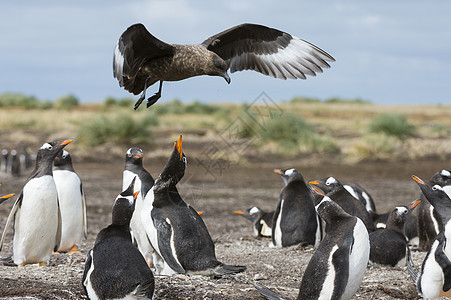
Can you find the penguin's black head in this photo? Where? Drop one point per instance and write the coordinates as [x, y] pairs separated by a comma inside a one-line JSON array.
[[49, 150], [328, 210], [124, 205], [398, 216], [327, 185], [441, 178], [62, 158], [289, 175], [254, 213], [175, 167], [436, 195], [134, 156]]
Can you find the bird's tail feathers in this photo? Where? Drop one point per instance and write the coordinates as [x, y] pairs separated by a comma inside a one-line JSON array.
[[268, 294]]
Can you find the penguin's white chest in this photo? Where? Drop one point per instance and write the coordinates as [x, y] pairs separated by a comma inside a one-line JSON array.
[[36, 222], [70, 200]]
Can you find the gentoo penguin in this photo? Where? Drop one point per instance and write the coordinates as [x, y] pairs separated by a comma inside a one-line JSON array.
[[435, 276], [143, 183], [295, 220], [15, 163], [114, 268], [358, 192], [72, 203], [335, 190], [140, 59], [261, 220], [4, 161], [389, 245], [36, 213], [336, 269], [428, 217], [176, 231]]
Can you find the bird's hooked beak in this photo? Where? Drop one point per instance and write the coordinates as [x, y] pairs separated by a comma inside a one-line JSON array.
[[414, 204], [226, 77], [178, 145]]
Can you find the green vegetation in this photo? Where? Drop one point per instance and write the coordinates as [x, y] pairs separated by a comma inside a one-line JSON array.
[[392, 125], [66, 102], [19, 100], [120, 128]]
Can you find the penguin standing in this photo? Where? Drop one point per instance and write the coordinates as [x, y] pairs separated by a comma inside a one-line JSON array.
[[435, 275], [336, 269], [389, 245], [176, 231], [114, 267], [428, 217], [143, 183], [4, 161], [15, 163], [335, 190], [261, 220], [72, 203], [36, 213], [295, 220]]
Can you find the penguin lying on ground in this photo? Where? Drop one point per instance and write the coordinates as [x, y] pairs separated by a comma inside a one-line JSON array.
[[428, 217], [295, 220], [36, 213], [335, 190], [336, 269], [114, 268], [72, 203], [140, 59], [5, 197], [144, 181], [261, 220], [389, 245], [176, 231], [435, 275]]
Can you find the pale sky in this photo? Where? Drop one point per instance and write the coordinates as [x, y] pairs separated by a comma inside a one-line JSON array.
[[386, 51]]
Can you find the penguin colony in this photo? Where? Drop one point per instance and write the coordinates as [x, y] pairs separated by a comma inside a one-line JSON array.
[[153, 230]]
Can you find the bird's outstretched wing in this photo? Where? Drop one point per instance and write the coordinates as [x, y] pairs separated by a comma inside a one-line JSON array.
[[136, 46], [269, 51]]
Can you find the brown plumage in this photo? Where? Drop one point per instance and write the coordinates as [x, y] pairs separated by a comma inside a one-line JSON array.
[[140, 59]]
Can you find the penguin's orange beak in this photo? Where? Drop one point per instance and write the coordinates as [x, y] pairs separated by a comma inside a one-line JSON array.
[[277, 171], [6, 196], [417, 179], [138, 155], [238, 212], [200, 213], [178, 145], [314, 182], [65, 142], [414, 204], [135, 194], [317, 191]]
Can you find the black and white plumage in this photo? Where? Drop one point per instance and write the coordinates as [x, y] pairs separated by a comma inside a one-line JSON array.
[[295, 220], [261, 220], [435, 275], [72, 203], [428, 218], [337, 267], [176, 231], [114, 267], [144, 181], [140, 59], [335, 190], [36, 214], [358, 192], [389, 245]]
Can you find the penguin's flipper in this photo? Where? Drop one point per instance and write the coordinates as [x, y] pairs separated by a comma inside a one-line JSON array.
[[411, 268], [58, 230], [268, 294], [11, 217], [444, 262], [229, 269], [340, 262], [166, 245], [85, 272], [83, 207], [145, 290]]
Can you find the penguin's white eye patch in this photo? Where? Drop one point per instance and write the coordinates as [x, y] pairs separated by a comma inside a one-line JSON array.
[[330, 181], [445, 173], [47, 146], [129, 152], [289, 172], [400, 210], [253, 210], [437, 187]]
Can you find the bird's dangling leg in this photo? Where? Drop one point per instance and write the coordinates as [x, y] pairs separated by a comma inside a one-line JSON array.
[[151, 101], [143, 95]]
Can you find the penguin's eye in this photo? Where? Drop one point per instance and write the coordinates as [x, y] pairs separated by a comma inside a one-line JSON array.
[[185, 161], [434, 188]]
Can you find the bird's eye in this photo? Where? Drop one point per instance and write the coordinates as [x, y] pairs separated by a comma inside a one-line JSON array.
[[434, 188]]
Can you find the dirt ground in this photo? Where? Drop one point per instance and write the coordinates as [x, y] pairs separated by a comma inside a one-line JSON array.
[[217, 192]]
